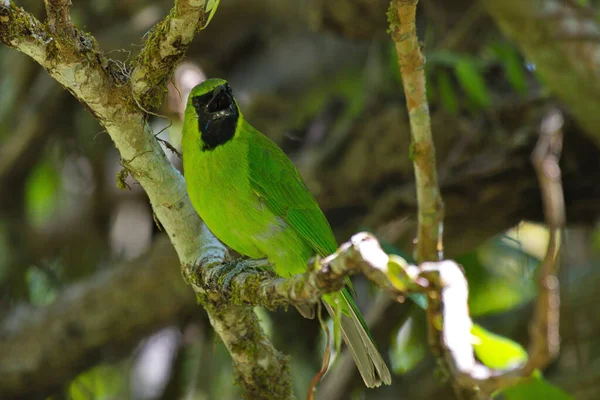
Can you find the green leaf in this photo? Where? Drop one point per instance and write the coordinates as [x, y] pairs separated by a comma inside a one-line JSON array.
[[513, 66], [472, 81], [446, 92], [535, 387], [102, 382], [211, 8], [500, 275], [418, 298], [496, 351], [443, 57], [409, 346]]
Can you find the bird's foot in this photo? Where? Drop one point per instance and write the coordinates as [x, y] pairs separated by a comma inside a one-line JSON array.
[[233, 268]]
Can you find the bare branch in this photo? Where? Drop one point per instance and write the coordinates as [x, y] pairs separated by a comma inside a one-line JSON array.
[[545, 341], [401, 17]]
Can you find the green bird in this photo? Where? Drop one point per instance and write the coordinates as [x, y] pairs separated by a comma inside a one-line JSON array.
[[253, 199]]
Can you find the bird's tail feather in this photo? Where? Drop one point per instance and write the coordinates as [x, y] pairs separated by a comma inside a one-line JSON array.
[[356, 334]]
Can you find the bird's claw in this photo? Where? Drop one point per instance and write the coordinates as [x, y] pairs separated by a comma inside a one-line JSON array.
[[233, 268]]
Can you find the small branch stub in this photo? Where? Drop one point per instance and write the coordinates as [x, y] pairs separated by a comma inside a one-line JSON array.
[[58, 14]]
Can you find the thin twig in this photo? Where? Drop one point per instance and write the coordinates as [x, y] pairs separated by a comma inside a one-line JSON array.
[[326, 357], [543, 330], [401, 17]]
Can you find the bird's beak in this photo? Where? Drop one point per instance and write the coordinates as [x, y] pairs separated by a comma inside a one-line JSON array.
[[221, 103]]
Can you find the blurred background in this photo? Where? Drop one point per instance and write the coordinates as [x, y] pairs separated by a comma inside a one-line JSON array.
[[92, 303]]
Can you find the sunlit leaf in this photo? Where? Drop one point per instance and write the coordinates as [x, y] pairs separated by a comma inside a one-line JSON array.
[[418, 298], [500, 275], [496, 351], [102, 382], [211, 9]]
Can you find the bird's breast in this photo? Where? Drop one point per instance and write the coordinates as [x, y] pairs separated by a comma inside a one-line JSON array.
[[220, 190]]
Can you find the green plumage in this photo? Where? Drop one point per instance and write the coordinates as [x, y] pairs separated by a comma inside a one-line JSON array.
[[253, 199]]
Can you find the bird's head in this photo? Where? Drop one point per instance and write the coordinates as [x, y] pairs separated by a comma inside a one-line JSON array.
[[213, 106]]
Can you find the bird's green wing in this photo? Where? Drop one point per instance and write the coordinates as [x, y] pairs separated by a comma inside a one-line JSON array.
[[276, 181]]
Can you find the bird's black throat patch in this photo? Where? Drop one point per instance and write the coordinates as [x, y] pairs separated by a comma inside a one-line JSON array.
[[217, 116]]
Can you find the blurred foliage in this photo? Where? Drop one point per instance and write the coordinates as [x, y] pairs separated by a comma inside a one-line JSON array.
[[458, 82], [409, 345], [103, 382], [500, 276], [496, 351], [42, 193], [42, 283], [534, 388]]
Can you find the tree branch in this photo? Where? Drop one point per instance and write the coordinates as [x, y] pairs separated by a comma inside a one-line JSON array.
[[447, 300], [401, 18], [59, 17], [544, 333], [164, 48], [103, 86], [42, 348], [361, 254]]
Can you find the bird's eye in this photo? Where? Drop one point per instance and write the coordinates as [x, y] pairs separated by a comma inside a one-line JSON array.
[[221, 100]]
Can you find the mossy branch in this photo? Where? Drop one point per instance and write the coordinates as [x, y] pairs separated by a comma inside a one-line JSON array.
[[58, 14], [361, 254], [164, 48]]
